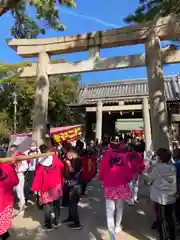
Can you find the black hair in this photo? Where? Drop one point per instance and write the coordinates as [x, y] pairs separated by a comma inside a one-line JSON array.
[[78, 142], [121, 139], [114, 145], [164, 155], [43, 148], [132, 146], [176, 154], [69, 147], [14, 146], [64, 143], [81, 145]]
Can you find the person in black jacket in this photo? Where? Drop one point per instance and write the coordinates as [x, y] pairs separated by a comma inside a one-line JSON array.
[[63, 155], [73, 179]]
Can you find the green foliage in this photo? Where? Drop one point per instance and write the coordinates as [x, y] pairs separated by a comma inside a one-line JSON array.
[[4, 133], [62, 92], [150, 9], [46, 16]]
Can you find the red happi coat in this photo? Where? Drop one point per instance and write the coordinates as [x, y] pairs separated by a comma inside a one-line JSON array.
[[8, 180], [89, 166], [115, 175], [135, 162], [48, 181]]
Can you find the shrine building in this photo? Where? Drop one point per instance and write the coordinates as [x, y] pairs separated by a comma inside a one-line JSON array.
[[123, 106]]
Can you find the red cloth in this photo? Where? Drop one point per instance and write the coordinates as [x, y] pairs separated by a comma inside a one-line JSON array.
[[115, 175], [89, 166], [114, 170], [122, 147], [8, 180], [122, 192], [135, 162], [48, 181], [22, 154], [106, 150]]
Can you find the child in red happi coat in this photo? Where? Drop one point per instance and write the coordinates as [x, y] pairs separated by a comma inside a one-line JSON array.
[[48, 182], [115, 176], [137, 166]]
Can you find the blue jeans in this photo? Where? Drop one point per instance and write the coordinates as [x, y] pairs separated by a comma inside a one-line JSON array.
[[111, 236]]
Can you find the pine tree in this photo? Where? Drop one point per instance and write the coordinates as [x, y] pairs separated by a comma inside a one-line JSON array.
[[26, 26], [148, 10]]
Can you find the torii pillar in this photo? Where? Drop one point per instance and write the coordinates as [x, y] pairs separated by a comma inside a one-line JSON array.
[[99, 121], [41, 99], [158, 109], [147, 123]]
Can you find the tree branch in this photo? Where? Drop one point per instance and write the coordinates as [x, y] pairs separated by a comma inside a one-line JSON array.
[[7, 5], [3, 10]]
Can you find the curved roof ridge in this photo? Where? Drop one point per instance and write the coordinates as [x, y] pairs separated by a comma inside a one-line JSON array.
[[115, 82], [125, 81], [127, 89]]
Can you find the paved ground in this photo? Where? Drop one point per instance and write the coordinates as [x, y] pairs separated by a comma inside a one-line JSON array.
[[136, 221]]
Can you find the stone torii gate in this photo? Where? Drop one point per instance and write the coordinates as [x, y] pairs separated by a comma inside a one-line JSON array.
[[150, 34]]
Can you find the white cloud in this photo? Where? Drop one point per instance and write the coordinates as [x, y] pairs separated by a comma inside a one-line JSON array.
[[97, 20]]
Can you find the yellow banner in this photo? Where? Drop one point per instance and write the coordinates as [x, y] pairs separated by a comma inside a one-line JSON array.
[[68, 135]]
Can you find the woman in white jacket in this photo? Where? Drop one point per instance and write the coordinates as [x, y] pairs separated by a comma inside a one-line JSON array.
[[163, 193], [31, 169], [21, 168]]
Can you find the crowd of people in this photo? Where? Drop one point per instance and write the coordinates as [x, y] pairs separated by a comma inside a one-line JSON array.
[[61, 178]]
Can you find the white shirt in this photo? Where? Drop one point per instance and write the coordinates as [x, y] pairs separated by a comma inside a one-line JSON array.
[[33, 162], [22, 167]]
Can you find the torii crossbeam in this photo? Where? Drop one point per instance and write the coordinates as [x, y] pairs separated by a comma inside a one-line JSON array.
[[150, 34]]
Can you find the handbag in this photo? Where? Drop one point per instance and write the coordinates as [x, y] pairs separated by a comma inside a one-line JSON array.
[[73, 182]]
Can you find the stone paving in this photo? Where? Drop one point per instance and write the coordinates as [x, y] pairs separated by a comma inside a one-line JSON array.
[[136, 220]]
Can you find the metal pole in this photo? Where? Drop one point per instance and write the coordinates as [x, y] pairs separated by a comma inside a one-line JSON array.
[[15, 111]]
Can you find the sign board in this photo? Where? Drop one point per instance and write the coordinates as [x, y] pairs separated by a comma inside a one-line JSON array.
[[70, 133]]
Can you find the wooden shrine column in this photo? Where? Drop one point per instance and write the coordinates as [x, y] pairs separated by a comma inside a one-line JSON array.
[[99, 121], [147, 123], [41, 99], [158, 109]]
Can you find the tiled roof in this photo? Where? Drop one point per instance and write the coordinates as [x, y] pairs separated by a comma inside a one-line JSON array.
[[126, 90]]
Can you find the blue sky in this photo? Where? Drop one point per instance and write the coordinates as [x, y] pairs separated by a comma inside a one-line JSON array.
[[90, 15]]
